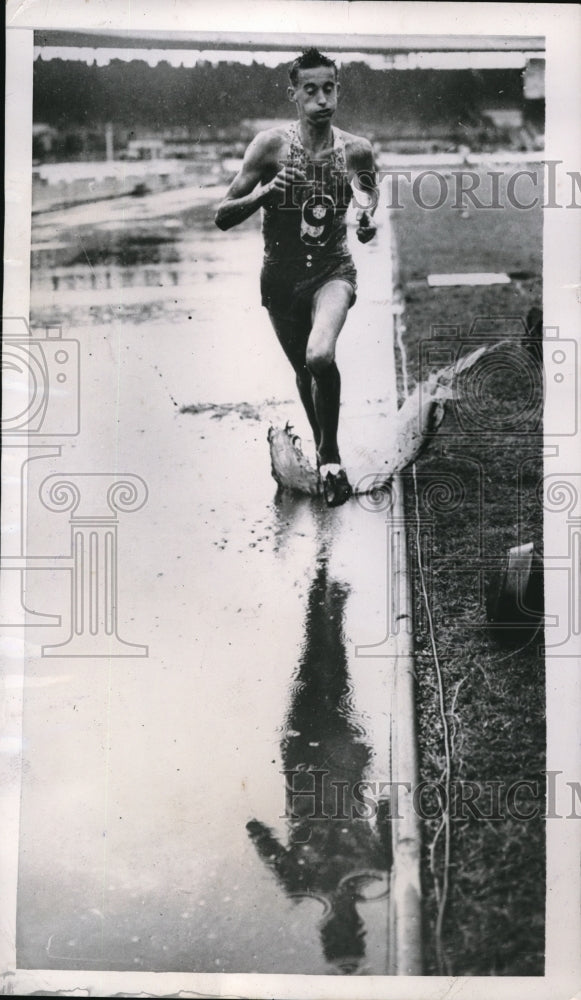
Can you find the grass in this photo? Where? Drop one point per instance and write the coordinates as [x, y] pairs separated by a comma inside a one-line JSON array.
[[473, 496]]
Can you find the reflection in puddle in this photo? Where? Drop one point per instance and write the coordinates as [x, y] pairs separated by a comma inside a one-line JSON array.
[[98, 279], [136, 266], [334, 853], [131, 251], [102, 276]]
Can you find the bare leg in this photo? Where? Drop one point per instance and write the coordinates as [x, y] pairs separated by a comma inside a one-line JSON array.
[[310, 348], [330, 306]]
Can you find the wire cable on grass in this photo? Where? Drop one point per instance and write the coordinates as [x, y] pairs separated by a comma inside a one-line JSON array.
[[441, 888]]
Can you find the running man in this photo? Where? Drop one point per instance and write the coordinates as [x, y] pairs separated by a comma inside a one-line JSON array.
[[302, 176]]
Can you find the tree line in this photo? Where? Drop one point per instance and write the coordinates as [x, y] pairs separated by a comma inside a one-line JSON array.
[[70, 94]]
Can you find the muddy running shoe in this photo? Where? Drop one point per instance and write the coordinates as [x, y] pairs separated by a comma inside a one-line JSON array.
[[336, 486]]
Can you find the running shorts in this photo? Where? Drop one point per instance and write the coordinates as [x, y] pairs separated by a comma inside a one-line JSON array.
[[288, 286]]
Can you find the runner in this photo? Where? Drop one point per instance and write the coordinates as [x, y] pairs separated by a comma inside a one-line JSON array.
[[302, 176]]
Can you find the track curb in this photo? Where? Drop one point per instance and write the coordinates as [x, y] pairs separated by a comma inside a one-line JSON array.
[[406, 896]]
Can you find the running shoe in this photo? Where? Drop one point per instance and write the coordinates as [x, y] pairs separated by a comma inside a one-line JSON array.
[[336, 487]]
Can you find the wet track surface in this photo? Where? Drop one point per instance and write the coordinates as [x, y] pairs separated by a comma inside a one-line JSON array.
[[157, 829]]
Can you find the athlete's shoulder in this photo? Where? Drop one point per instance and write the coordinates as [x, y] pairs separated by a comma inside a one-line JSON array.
[[269, 141], [354, 140], [357, 147]]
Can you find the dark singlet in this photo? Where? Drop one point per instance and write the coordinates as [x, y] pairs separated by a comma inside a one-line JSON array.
[[312, 218]]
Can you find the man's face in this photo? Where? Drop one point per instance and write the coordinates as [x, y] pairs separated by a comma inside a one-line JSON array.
[[315, 94]]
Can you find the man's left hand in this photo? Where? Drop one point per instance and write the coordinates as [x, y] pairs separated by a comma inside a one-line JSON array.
[[367, 228]]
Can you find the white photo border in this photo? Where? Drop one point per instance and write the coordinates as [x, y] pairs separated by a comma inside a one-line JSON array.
[[560, 25]]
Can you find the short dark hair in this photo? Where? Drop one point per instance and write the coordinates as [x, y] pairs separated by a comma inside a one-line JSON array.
[[309, 59]]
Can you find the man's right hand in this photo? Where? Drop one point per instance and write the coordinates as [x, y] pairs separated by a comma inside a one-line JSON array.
[[279, 189]]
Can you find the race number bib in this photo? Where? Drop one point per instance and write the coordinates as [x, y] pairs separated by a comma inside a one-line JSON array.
[[317, 215]]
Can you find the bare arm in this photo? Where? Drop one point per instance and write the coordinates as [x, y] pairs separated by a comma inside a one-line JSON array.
[[366, 193], [244, 197], [248, 191]]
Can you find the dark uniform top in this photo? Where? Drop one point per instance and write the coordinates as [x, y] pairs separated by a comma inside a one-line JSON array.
[[305, 237]]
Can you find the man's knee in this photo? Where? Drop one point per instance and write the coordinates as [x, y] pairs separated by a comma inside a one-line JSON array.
[[319, 359]]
